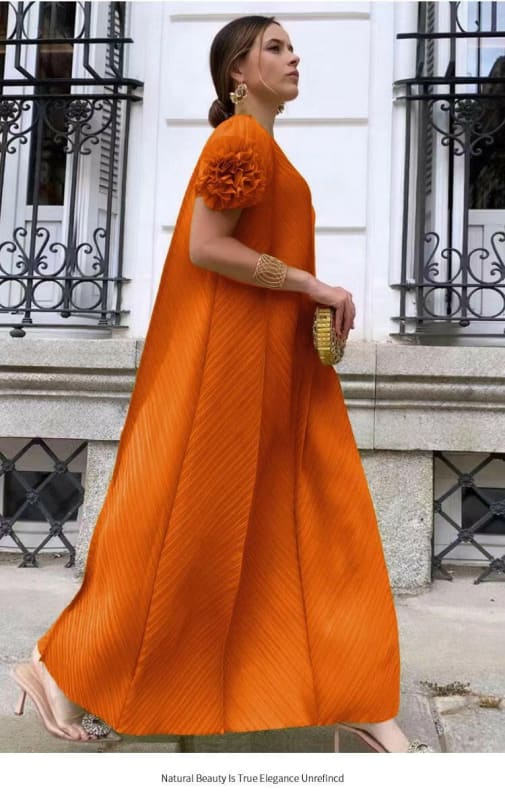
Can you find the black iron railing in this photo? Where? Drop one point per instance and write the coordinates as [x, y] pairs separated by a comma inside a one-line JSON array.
[[64, 119], [480, 516], [452, 279], [39, 502]]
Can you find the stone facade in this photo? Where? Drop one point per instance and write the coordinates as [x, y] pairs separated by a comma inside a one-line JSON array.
[[404, 401]]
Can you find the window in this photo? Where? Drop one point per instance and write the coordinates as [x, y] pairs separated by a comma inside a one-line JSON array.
[[469, 505], [53, 64], [65, 116], [452, 285], [32, 496], [4, 11]]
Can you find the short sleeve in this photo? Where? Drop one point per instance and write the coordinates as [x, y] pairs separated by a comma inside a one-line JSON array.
[[233, 171]]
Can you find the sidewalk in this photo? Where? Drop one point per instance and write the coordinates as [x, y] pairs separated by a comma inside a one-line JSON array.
[[451, 634]]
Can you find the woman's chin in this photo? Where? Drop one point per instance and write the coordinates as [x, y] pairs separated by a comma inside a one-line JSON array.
[[293, 94]]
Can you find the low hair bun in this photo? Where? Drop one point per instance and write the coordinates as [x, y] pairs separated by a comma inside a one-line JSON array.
[[218, 113]]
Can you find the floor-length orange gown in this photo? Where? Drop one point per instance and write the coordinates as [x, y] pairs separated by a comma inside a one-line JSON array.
[[235, 579]]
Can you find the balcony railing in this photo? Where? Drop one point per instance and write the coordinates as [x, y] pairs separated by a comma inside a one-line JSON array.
[[452, 281], [64, 120]]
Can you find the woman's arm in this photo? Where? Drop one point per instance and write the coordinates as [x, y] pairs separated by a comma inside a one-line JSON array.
[[213, 246]]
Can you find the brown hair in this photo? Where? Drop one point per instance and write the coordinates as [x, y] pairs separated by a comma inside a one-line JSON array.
[[231, 43]]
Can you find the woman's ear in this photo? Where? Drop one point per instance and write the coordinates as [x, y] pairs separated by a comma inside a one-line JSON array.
[[236, 71]]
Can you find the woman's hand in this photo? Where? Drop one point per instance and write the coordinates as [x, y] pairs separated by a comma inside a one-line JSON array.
[[340, 299]]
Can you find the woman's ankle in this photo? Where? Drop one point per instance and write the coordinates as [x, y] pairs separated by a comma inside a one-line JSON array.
[[64, 709], [388, 733]]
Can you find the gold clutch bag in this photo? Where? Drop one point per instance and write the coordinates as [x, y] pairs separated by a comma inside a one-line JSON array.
[[329, 345]]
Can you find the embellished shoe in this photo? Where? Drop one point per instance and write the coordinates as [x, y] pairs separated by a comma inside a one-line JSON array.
[[415, 746], [97, 727], [30, 683]]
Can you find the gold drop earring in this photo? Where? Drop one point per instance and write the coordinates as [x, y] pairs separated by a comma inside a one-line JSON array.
[[238, 95]]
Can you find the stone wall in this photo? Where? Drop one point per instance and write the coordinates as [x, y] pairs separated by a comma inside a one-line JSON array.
[[404, 402]]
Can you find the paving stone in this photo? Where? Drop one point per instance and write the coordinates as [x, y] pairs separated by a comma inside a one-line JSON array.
[[451, 633], [472, 729]]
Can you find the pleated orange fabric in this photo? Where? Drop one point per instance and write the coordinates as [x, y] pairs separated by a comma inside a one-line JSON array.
[[235, 579]]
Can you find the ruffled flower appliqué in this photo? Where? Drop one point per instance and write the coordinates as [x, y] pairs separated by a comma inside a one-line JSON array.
[[231, 177]]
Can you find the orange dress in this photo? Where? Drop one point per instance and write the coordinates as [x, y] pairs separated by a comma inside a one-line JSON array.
[[235, 579]]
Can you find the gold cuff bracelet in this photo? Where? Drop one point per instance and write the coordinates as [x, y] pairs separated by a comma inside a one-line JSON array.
[[270, 271]]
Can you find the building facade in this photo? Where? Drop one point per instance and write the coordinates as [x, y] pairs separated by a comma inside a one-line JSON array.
[[398, 129]]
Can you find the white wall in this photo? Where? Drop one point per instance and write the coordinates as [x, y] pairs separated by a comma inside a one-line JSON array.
[[339, 132]]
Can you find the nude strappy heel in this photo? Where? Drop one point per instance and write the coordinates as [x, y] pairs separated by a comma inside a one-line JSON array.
[[30, 683], [415, 746]]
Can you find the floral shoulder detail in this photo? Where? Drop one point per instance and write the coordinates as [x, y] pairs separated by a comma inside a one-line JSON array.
[[232, 173]]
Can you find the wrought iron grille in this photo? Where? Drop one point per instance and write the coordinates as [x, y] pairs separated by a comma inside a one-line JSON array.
[[486, 517], [48, 498], [453, 247], [64, 119]]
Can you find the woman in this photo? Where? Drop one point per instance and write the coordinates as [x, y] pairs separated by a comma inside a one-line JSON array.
[[235, 579]]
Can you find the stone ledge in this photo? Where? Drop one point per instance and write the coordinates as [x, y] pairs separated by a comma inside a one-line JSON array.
[[75, 389], [63, 416], [112, 384], [65, 354], [360, 358], [430, 398], [464, 392], [410, 360], [398, 397]]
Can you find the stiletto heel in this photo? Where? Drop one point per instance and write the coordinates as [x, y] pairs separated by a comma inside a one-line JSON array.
[[20, 707], [30, 683], [336, 741]]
